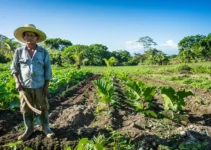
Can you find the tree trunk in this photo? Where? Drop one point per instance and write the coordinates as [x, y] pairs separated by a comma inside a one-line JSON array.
[[78, 66]]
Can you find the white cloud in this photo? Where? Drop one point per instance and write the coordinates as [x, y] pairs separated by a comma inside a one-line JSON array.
[[170, 44], [169, 47], [134, 47]]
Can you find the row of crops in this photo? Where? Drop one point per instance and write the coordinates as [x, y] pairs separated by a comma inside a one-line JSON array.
[[196, 68], [64, 77], [140, 96], [61, 79]]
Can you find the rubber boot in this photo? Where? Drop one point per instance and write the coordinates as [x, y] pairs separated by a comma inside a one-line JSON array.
[[45, 125], [29, 125]]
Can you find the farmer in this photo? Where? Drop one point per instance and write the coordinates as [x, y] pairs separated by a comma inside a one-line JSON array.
[[31, 69]]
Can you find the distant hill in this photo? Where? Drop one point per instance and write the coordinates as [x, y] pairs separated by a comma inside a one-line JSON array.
[[2, 37]]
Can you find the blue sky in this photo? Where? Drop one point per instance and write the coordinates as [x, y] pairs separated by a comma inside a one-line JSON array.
[[114, 23]]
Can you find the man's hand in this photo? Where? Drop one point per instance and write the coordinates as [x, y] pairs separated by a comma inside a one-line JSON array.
[[45, 91], [18, 86]]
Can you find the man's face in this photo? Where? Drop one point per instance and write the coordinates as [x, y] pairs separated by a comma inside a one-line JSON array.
[[30, 37]]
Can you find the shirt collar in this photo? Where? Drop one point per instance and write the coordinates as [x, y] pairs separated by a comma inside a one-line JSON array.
[[39, 49]]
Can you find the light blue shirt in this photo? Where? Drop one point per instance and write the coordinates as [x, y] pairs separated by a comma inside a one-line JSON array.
[[32, 72]]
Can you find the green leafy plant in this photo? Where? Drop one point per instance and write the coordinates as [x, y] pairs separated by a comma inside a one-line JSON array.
[[62, 78], [13, 145], [119, 142], [9, 97], [67, 148], [122, 76], [105, 91], [101, 139], [141, 96], [86, 144], [174, 100], [184, 67]]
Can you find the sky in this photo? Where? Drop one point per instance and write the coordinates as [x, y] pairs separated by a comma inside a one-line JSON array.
[[117, 24]]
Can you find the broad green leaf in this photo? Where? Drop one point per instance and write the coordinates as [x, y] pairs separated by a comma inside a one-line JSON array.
[[13, 144], [167, 102], [83, 141], [151, 113], [149, 93], [99, 146], [138, 105]]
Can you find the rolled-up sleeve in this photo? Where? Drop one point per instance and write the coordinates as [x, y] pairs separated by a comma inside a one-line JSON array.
[[15, 64], [48, 70]]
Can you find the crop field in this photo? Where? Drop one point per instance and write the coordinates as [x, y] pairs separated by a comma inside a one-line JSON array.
[[116, 108]]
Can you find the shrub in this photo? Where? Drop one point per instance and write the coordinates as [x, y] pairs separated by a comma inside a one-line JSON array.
[[184, 67], [3, 59]]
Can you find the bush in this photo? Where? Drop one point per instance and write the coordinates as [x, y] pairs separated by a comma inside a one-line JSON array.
[[3, 59], [184, 67], [202, 69], [56, 57]]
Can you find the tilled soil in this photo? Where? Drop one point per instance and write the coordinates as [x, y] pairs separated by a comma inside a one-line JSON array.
[[70, 111], [199, 103], [72, 117]]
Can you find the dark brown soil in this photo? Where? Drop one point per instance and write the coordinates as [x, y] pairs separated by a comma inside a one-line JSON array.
[[72, 117]]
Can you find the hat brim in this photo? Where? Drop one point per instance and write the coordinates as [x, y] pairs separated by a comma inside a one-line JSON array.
[[18, 33]]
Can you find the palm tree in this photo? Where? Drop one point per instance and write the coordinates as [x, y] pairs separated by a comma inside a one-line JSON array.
[[8, 47], [78, 56], [75, 52], [110, 62], [57, 43]]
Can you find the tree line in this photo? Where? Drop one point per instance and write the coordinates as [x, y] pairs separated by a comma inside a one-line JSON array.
[[191, 49]]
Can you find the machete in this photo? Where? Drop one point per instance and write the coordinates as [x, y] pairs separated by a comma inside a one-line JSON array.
[[29, 105]]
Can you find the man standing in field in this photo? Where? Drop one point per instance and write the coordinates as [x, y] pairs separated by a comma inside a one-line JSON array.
[[31, 69]]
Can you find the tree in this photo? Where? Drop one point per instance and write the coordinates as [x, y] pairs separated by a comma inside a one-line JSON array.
[[8, 47], [190, 48], [150, 56], [96, 53], [187, 56], [3, 59], [154, 56], [2, 37], [204, 49], [111, 61], [122, 56], [161, 58], [75, 53], [136, 59], [57, 43], [56, 57], [189, 42], [147, 42]]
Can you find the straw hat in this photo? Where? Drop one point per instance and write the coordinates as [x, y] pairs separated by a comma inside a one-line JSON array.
[[18, 33]]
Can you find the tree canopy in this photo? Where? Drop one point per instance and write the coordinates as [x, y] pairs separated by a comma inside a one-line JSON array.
[[8, 47], [195, 48], [57, 43], [147, 42], [75, 54]]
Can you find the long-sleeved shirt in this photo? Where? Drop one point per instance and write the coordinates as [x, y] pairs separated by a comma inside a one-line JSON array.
[[32, 71]]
